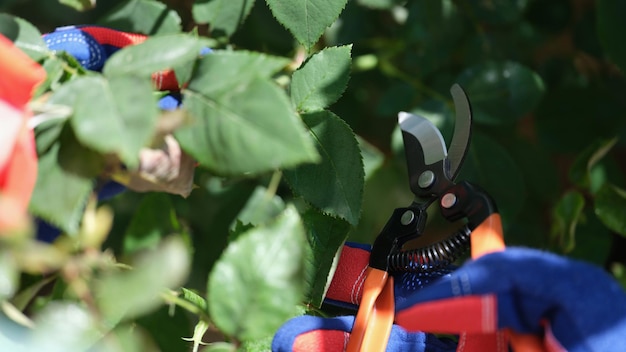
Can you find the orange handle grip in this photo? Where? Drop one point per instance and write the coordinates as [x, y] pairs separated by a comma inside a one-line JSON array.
[[487, 237], [374, 319]]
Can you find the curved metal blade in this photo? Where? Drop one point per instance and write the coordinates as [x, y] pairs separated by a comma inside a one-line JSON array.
[[431, 144], [462, 130]]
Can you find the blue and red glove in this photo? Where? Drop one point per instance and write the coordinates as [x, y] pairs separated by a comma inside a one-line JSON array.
[[535, 300], [315, 334]]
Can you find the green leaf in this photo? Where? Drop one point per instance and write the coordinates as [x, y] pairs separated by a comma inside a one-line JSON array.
[[220, 347], [154, 219], [224, 71], [57, 316], [335, 185], [25, 36], [322, 79], [326, 235], [166, 326], [261, 207], [257, 283], [565, 216], [128, 294], [224, 16], [580, 171], [501, 92], [76, 158], [195, 299], [619, 272], [610, 26], [150, 56], [142, 16], [9, 275], [242, 122], [306, 19], [610, 207], [372, 157], [117, 115], [79, 5], [59, 196]]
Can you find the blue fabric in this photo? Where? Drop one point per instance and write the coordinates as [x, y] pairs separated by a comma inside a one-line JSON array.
[[585, 307], [81, 45], [399, 340]]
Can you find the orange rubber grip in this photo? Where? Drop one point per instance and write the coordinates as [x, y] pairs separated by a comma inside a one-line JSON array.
[[374, 319]]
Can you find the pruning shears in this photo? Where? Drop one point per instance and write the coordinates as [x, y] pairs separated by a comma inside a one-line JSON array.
[[432, 170]]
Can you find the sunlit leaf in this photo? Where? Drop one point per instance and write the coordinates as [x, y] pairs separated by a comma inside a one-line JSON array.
[[306, 19], [257, 282], [335, 185], [79, 5], [52, 322], [142, 16], [149, 57], [321, 80], [242, 122], [117, 115], [261, 207], [610, 207], [25, 36], [224, 16]]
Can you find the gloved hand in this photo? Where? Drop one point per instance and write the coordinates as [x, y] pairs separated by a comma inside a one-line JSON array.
[[315, 334], [563, 304], [308, 333]]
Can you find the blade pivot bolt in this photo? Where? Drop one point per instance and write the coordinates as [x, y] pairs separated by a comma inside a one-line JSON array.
[[426, 179], [448, 200], [407, 217]]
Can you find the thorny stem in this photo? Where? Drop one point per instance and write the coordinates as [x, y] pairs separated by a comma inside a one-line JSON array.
[[171, 297]]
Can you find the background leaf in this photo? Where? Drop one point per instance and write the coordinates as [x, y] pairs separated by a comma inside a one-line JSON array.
[[610, 26], [501, 92], [142, 16], [306, 19], [224, 16], [610, 207], [257, 282], [154, 219], [335, 185], [566, 215], [321, 80]]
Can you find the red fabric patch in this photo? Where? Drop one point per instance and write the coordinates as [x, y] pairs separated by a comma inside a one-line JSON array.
[[472, 314], [321, 341], [165, 80], [493, 342], [347, 283]]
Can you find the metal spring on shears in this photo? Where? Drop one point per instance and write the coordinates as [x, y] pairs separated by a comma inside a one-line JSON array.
[[435, 256]]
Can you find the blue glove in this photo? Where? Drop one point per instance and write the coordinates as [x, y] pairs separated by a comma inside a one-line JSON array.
[[566, 305]]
